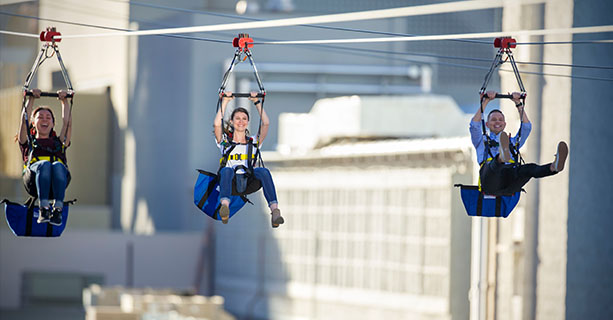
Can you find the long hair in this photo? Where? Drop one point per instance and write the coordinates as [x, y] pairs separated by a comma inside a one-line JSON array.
[[37, 110], [228, 128], [33, 129]]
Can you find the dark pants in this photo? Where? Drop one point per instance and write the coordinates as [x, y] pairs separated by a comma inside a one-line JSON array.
[[505, 179]]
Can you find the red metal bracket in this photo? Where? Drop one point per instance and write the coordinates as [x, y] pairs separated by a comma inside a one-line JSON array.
[[243, 41], [505, 42], [47, 35]]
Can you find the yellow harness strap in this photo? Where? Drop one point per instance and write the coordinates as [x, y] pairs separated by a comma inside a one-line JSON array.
[[237, 156], [44, 158]]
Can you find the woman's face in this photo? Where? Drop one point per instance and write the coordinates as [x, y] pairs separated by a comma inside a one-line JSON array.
[[496, 122], [240, 121], [43, 122]]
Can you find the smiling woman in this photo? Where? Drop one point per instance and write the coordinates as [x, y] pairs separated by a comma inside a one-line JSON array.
[[237, 168], [45, 173]]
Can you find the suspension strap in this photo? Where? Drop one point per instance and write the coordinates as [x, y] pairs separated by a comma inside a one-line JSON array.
[[243, 43], [504, 44]]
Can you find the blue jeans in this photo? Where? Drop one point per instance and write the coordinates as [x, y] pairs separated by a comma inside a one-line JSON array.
[[226, 175], [50, 175]]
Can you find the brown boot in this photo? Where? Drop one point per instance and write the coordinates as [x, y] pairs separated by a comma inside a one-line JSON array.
[[504, 153], [224, 213], [558, 163], [276, 218]]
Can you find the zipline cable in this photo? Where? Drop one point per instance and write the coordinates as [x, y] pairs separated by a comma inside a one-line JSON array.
[[484, 60], [576, 30], [20, 34], [225, 15], [565, 42], [225, 41], [94, 26], [331, 47]]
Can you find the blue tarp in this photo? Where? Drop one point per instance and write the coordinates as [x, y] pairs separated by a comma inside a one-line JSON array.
[[206, 196], [22, 221], [480, 205]]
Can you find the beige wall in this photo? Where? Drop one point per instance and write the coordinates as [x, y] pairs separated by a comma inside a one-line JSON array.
[[10, 109], [91, 150], [553, 198]]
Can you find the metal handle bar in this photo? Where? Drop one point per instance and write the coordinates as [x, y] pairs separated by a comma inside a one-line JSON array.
[[48, 94], [246, 95], [509, 96]]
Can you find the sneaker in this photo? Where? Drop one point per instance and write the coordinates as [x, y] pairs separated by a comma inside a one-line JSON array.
[[276, 218], [56, 216], [224, 213], [503, 150], [43, 215], [558, 163]]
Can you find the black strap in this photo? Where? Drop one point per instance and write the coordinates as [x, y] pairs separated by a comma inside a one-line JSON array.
[[224, 159], [209, 189], [49, 229], [244, 197], [216, 213], [249, 154], [29, 218], [466, 186], [498, 206], [480, 205]]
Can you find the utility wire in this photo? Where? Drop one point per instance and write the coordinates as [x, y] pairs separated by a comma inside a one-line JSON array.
[[225, 15], [314, 42], [233, 16], [487, 60], [20, 34], [94, 26], [419, 10], [566, 42]]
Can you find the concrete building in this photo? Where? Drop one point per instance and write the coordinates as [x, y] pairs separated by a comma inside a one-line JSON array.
[[375, 228]]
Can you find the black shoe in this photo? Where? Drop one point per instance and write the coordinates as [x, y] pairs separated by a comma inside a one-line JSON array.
[[56, 217], [43, 215]]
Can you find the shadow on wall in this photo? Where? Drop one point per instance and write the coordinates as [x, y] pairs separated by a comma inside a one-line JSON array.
[[249, 271], [158, 118]]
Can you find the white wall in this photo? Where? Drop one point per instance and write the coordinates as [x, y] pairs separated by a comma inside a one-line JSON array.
[[160, 261]]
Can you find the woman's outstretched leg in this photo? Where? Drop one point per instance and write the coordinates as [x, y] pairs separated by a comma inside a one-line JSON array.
[[270, 194]]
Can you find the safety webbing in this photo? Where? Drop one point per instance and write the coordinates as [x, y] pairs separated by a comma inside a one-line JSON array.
[[29, 219], [498, 206]]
